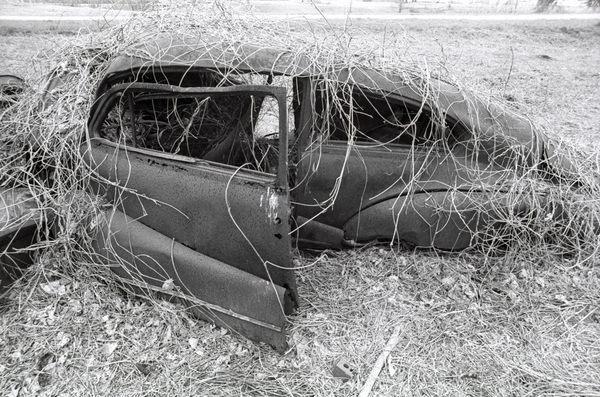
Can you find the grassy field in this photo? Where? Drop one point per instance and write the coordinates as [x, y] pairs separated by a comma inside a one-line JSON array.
[[469, 325], [115, 4]]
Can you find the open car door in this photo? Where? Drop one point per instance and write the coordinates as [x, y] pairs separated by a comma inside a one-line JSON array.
[[200, 202]]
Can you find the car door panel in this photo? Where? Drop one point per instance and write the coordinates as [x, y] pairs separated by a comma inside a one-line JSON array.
[[220, 220], [233, 217], [214, 290], [376, 174]]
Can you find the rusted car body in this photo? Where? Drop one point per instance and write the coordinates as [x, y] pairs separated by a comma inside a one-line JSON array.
[[218, 159], [221, 232]]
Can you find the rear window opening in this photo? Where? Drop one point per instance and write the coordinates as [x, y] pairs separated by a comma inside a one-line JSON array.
[[380, 120], [238, 129]]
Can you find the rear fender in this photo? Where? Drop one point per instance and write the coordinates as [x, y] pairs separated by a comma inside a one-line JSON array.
[[316, 235], [443, 220]]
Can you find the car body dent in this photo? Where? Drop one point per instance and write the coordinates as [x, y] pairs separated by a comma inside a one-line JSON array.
[[372, 175], [419, 219]]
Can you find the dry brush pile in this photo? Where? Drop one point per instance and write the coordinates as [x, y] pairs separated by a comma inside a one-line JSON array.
[[543, 208]]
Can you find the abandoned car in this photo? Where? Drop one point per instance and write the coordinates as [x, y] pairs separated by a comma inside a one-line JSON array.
[[218, 158]]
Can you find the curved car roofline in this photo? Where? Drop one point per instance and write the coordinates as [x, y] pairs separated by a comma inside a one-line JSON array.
[[169, 53]]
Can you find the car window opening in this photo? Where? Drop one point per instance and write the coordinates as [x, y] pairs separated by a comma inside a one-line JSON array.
[[190, 77], [238, 129], [378, 120]]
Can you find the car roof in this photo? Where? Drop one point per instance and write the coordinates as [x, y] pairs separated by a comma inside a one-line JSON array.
[[192, 52], [189, 52]]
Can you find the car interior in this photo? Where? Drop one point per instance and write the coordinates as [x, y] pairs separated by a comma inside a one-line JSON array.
[[241, 129]]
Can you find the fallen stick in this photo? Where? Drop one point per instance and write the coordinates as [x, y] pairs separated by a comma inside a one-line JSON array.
[[391, 344]]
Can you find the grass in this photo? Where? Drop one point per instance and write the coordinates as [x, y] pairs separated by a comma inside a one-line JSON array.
[[467, 329], [135, 5], [471, 325]]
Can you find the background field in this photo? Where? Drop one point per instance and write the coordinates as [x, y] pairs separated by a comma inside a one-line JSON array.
[[546, 68], [385, 6], [470, 325]]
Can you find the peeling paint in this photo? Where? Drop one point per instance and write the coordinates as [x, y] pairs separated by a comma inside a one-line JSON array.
[[273, 204]]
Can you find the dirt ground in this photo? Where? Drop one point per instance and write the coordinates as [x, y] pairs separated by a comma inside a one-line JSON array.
[[469, 326]]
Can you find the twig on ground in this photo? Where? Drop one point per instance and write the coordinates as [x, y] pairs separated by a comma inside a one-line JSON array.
[[392, 342]]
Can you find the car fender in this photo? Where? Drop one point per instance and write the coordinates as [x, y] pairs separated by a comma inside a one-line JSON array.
[[442, 219]]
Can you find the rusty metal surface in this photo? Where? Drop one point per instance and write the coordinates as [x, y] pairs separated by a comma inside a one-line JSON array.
[[222, 218], [217, 291], [377, 175], [188, 203], [501, 132]]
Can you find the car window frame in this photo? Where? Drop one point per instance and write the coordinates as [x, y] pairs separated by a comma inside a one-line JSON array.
[[308, 132], [106, 101]]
